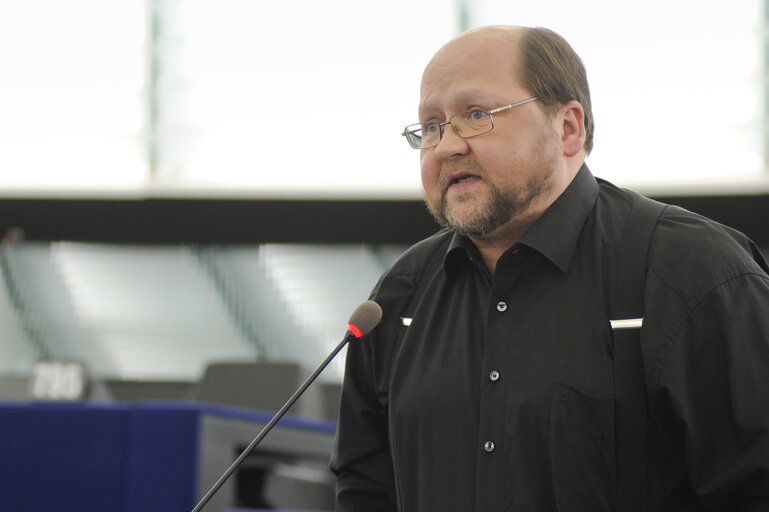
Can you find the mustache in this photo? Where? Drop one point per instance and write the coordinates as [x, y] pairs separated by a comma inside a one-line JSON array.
[[449, 168]]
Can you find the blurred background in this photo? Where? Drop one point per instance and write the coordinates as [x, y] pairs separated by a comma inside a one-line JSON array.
[[191, 190]]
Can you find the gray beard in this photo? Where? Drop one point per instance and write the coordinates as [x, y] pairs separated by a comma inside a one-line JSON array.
[[485, 221], [508, 206], [498, 212]]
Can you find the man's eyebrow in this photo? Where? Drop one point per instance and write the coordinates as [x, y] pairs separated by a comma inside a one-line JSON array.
[[461, 97]]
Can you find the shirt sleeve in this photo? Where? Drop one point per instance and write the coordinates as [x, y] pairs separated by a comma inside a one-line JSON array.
[[717, 377], [361, 455]]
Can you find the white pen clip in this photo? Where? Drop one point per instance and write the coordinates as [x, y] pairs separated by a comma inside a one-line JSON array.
[[629, 323], [405, 321]]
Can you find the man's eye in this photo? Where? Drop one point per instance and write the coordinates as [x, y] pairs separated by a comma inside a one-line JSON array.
[[477, 115], [431, 127]]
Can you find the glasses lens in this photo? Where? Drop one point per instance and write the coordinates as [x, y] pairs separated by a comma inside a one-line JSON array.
[[414, 135], [467, 124], [431, 134], [472, 122]]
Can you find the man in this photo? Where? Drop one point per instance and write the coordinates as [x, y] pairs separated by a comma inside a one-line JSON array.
[[489, 384]]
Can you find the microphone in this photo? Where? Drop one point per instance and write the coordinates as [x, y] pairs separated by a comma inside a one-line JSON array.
[[362, 321]]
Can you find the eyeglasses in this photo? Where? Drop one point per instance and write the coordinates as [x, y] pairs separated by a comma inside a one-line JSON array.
[[469, 123]]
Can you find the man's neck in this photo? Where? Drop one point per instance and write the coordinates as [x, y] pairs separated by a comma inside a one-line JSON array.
[[493, 245]]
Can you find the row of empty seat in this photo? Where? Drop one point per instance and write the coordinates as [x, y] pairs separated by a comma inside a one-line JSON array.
[[165, 313]]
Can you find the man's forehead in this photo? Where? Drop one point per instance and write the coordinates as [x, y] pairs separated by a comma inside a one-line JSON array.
[[470, 68], [471, 55], [455, 96], [482, 42], [468, 83]]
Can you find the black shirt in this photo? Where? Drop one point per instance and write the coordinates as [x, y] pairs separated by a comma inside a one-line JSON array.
[[493, 394]]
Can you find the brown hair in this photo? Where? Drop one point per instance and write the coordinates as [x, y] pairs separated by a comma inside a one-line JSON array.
[[553, 71]]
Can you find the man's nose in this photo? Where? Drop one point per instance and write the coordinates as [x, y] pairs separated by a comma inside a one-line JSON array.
[[451, 144]]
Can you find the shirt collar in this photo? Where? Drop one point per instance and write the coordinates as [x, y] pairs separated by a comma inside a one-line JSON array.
[[461, 251], [554, 234]]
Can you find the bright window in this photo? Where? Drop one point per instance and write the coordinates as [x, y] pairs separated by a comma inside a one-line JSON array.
[[71, 95], [677, 87], [309, 98]]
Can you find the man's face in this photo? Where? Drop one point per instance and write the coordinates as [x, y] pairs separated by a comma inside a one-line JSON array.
[[480, 184]]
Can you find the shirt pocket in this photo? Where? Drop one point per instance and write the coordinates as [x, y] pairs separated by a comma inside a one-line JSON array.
[[582, 450]]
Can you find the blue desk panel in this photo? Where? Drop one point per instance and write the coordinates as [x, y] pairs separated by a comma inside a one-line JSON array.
[[141, 457]]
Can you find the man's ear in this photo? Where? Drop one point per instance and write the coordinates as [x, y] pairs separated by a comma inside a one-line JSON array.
[[573, 135]]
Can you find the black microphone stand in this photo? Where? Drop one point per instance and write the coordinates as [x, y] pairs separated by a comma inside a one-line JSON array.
[[278, 415]]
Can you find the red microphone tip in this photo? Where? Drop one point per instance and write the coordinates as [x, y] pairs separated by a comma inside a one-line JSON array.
[[354, 330], [364, 318]]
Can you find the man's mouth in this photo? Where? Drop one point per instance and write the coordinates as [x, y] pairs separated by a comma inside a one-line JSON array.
[[462, 178]]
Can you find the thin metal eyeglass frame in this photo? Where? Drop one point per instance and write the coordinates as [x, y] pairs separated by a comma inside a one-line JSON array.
[[411, 128]]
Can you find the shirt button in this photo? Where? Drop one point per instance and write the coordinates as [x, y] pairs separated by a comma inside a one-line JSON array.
[[501, 306], [489, 446], [494, 376]]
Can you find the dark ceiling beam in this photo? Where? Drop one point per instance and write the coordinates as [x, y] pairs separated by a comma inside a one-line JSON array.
[[216, 221]]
